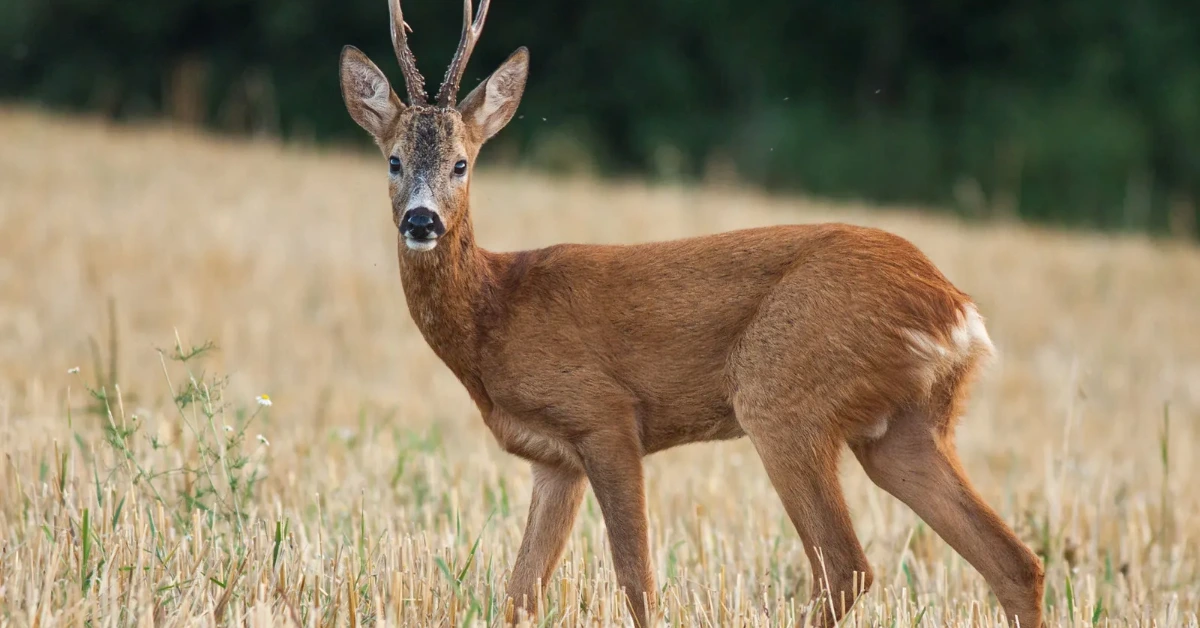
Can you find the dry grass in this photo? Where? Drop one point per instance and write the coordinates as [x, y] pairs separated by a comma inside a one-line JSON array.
[[377, 495]]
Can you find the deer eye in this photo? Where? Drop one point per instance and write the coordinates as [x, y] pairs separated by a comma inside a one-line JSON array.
[[394, 165], [460, 168]]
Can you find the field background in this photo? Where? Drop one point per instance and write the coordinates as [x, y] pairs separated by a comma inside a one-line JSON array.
[[1074, 112], [369, 491]]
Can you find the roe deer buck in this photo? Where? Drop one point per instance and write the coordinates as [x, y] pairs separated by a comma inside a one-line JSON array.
[[583, 359]]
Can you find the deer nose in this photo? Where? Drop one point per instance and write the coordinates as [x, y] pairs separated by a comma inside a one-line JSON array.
[[419, 220], [421, 223]]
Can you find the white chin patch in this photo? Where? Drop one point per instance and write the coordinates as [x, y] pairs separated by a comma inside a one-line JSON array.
[[420, 245]]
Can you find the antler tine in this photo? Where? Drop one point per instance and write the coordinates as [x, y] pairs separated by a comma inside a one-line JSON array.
[[448, 93], [413, 81]]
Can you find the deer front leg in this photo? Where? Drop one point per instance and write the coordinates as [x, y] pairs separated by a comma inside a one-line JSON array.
[[614, 469], [557, 493]]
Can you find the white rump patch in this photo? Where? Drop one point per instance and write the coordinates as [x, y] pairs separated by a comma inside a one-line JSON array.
[[925, 346], [968, 337], [971, 333]]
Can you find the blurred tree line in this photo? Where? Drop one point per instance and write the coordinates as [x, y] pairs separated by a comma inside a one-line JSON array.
[[1076, 112]]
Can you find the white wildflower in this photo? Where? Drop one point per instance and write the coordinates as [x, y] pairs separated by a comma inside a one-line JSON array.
[[263, 439], [73, 370], [228, 428], [263, 400]]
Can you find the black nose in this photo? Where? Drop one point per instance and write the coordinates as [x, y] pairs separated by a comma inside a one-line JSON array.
[[421, 223]]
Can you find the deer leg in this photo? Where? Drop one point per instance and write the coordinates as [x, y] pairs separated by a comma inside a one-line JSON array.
[[918, 465], [614, 469], [803, 469], [557, 493]]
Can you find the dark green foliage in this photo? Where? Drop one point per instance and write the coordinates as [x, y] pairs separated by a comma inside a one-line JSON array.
[[1082, 112]]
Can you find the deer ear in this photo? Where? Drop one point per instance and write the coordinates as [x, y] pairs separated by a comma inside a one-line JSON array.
[[492, 104], [368, 96]]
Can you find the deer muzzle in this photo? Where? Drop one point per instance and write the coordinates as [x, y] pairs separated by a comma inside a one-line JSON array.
[[421, 227]]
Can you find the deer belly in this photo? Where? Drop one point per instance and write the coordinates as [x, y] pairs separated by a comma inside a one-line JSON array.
[[530, 444], [694, 425]]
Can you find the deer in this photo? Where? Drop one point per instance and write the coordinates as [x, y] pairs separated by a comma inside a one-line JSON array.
[[583, 359]]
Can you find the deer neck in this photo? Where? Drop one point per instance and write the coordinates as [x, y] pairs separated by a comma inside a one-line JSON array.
[[444, 289]]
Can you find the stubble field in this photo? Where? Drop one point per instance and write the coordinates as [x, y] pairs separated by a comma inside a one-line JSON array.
[[147, 482]]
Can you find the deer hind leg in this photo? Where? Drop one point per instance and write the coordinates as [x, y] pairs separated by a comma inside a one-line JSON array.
[[802, 464], [915, 461]]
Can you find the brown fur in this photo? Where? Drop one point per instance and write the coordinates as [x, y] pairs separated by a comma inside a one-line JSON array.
[[583, 359]]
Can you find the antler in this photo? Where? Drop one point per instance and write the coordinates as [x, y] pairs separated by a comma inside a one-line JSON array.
[[448, 92], [408, 63]]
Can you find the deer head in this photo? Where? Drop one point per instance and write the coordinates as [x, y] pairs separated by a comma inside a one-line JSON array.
[[431, 149]]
